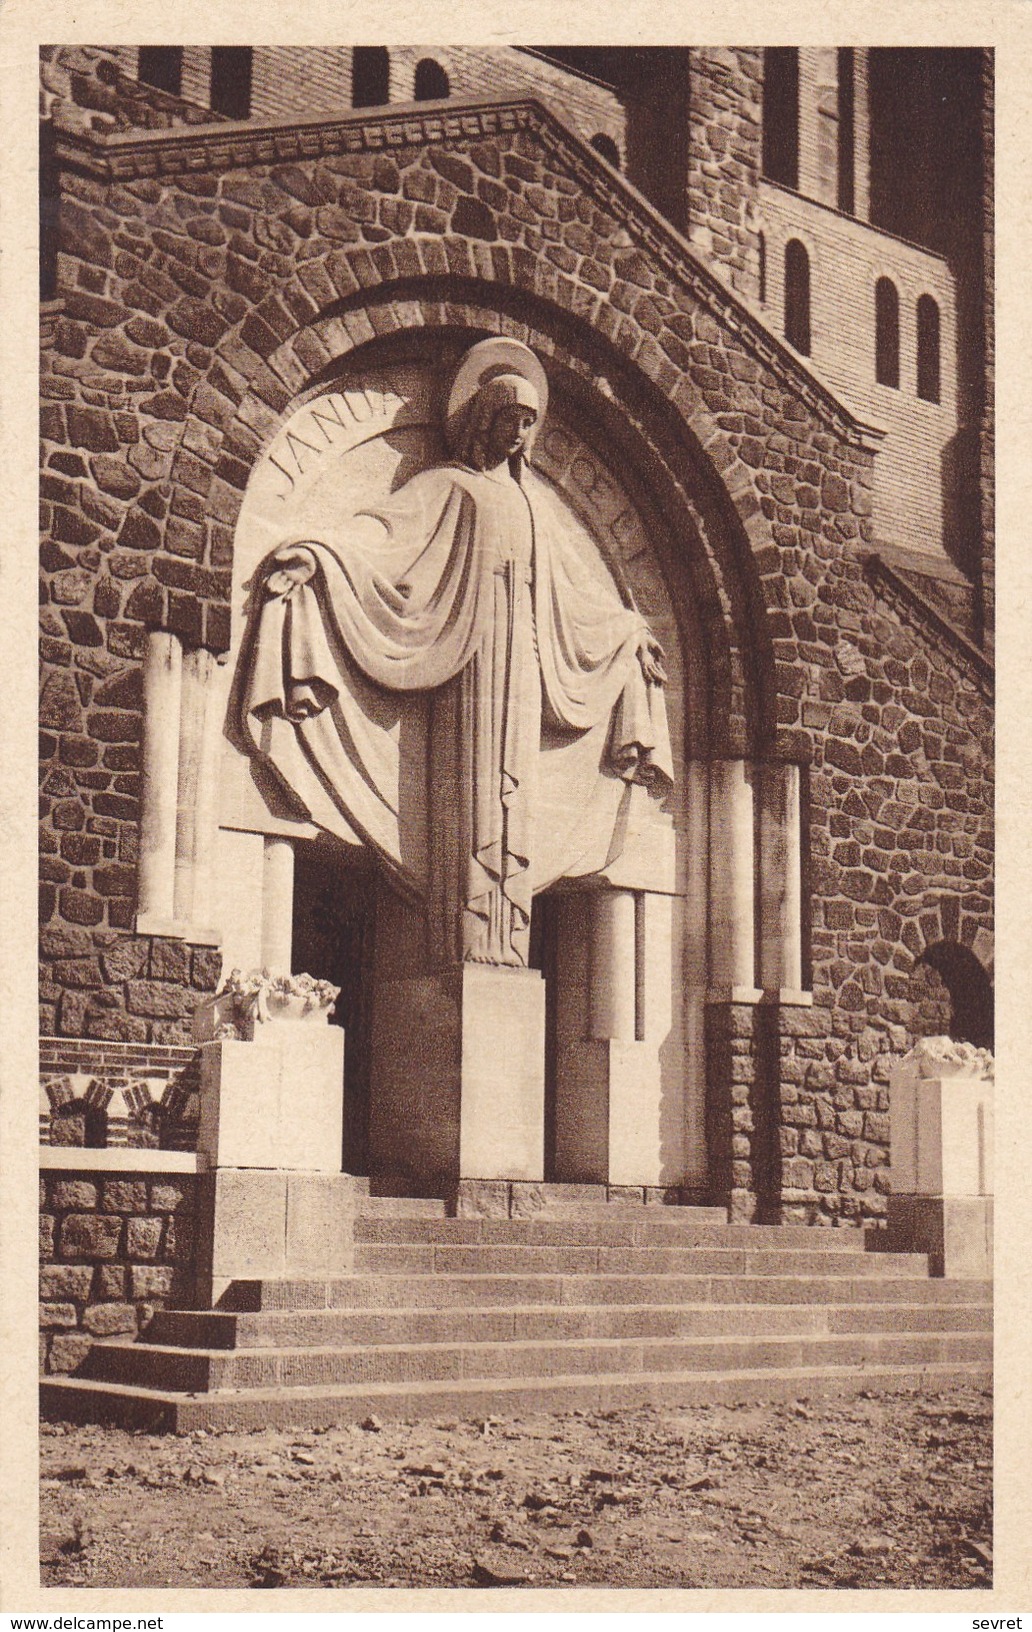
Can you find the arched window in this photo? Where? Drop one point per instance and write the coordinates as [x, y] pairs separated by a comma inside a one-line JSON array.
[[231, 80], [781, 115], [886, 333], [607, 148], [432, 83], [928, 381], [370, 76], [797, 296], [162, 67]]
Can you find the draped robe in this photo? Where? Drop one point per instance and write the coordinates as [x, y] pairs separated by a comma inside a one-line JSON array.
[[458, 605]]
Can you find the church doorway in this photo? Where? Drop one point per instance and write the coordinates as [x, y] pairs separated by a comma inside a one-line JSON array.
[[334, 931]]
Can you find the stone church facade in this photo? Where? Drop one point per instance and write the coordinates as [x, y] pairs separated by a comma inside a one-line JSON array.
[[769, 410]]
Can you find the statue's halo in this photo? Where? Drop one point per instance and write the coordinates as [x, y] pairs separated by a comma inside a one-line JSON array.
[[483, 362]]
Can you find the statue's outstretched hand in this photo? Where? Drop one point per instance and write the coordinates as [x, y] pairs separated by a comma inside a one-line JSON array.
[[295, 565], [650, 656]]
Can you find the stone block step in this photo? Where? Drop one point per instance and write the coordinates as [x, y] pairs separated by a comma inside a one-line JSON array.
[[207, 1370], [628, 1228], [590, 1211], [74, 1399], [322, 1328], [486, 1259], [380, 1291], [383, 1209]]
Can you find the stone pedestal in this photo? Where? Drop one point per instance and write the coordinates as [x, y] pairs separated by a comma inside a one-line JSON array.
[[941, 1130], [275, 1201], [257, 1224], [276, 1102], [459, 1078]]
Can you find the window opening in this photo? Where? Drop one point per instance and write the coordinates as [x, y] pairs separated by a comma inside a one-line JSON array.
[[49, 206], [231, 67], [781, 115], [607, 148], [370, 76], [886, 333], [797, 296], [929, 383], [162, 67], [846, 130], [432, 83]]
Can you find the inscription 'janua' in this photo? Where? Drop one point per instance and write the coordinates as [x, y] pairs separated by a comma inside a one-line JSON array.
[[327, 423]]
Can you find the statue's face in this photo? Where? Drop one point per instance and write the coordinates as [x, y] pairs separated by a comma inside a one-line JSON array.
[[508, 432]]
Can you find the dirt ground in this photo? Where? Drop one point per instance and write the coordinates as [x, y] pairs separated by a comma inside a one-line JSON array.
[[887, 1490]]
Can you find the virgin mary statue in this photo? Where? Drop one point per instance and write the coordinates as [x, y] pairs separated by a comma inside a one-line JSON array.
[[460, 600]]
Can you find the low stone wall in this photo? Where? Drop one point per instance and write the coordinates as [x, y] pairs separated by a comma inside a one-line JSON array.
[[798, 1123], [99, 984], [114, 1246]]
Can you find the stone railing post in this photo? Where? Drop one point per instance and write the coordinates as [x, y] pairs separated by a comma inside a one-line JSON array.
[[941, 1135]]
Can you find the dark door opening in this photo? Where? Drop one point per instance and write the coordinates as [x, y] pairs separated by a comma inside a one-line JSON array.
[[544, 944], [334, 925]]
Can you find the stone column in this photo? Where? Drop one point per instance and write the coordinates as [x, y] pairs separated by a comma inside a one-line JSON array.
[[162, 695], [197, 820], [694, 975], [619, 1119], [732, 1009], [278, 906], [614, 965], [781, 934], [732, 876]]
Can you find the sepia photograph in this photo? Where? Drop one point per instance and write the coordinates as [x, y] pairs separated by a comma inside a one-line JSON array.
[[516, 752]]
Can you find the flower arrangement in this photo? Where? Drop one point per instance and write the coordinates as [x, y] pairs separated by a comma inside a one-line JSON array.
[[259, 996], [943, 1057]]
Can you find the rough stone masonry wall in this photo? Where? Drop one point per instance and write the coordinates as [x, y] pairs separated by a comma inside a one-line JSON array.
[[113, 1248], [99, 983], [725, 160], [199, 304]]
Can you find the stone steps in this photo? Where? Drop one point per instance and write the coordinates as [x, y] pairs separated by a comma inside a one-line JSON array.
[[640, 1229], [320, 1328], [544, 1313], [479, 1290], [381, 1208], [215, 1370], [485, 1258], [156, 1410]]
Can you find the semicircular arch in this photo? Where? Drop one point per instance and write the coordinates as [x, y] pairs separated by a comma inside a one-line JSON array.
[[708, 518]]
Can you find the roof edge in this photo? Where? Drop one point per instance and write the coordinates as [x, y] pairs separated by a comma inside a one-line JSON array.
[[138, 154]]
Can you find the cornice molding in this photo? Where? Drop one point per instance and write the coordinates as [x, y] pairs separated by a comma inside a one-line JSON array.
[[910, 604], [151, 154]]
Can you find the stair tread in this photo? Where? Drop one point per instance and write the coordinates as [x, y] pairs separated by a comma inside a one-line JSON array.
[[930, 1370], [523, 1345], [646, 1306]]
